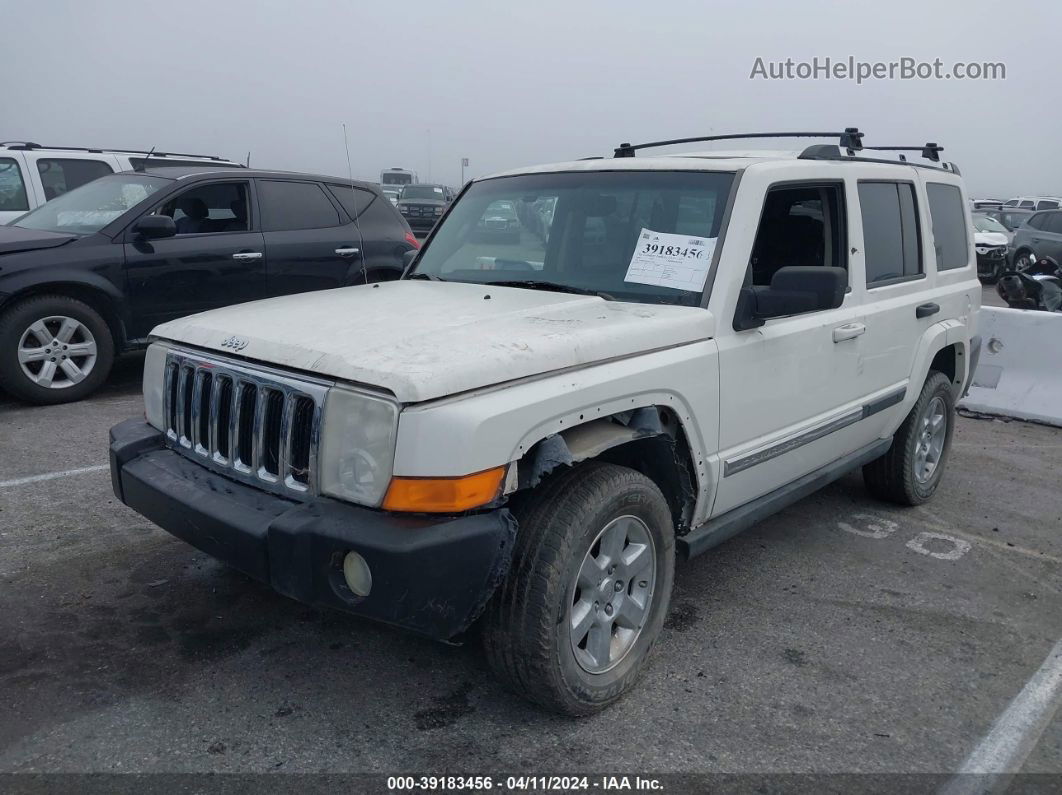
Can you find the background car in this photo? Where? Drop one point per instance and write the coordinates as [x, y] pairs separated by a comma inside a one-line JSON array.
[[422, 205], [1010, 217], [1035, 202], [91, 273], [991, 240], [31, 174], [1039, 236]]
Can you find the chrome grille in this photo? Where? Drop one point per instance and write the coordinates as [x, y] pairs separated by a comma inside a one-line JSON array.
[[256, 425]]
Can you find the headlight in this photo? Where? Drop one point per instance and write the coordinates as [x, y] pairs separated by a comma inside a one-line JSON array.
[[357, 446], [438, 210], [154, 384]]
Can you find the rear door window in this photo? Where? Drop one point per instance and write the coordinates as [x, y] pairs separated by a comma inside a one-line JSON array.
[[891, 237], [951, 239], [12, 188], [60, 174], [295, 205], [1054, 223]]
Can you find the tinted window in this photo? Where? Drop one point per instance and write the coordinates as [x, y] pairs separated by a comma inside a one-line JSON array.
[[799, 225], [353, 200], [1054, 223], [1037, 221], [12, 189], [950, 237], [162, 162], [891, 242], [1026, 204], [218, 207], [295, 205], [1047, 204], [60, 175]]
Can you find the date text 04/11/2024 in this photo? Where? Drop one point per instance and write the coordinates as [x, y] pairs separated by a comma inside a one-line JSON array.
[[523, 783]]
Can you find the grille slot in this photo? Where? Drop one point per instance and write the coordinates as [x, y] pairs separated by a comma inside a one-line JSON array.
[[256, 426]]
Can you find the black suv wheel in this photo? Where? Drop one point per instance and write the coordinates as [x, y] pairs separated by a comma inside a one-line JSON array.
[[53, 349]]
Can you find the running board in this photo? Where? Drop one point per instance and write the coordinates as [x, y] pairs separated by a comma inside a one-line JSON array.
[[716, 531]]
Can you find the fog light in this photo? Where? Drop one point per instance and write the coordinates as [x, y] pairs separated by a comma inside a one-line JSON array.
[[356, 573]]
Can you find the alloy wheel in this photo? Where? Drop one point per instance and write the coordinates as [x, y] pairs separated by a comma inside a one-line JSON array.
[[932, 434], [57, 352]]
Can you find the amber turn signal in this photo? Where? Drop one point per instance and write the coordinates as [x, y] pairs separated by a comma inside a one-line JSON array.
[[443, 495]]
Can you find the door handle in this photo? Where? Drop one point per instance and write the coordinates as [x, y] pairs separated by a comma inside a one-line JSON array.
[[247, 256], [925, 310], [346, 252], [849, 331]]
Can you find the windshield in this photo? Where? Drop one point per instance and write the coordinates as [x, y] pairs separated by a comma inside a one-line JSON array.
[[645, 236], [422, 192], [396, 178], [91, 207], [986, 224]]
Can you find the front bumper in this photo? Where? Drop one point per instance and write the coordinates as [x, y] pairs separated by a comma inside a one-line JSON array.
[[991, 263], [432, 576]]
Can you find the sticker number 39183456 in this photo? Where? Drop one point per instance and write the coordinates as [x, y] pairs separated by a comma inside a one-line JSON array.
[[668, 260]]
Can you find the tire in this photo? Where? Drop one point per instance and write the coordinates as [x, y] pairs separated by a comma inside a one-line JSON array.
[[900, 476], [1023, 258], [27, 356], [527, 629]]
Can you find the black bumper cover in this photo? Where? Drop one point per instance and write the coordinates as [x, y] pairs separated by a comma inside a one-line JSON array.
[[432, 576]]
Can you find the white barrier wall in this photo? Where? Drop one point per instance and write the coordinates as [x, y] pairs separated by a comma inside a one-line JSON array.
[[1020, 372]]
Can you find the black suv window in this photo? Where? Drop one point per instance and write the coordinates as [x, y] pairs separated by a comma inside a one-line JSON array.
[[354, 200], [12, 188], [800, 225], [892, 245], [58, 175], [295, 205], [218, 207], [950, 237]]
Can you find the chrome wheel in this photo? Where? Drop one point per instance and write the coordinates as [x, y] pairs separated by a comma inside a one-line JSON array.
[[930, 444], [1023, 261], [57, 352], [613, 593]]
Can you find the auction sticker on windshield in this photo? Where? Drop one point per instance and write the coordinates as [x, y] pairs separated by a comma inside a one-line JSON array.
[[666, 260]]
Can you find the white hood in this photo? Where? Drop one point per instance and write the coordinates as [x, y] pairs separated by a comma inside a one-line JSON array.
[[423, 340], [990, 239]]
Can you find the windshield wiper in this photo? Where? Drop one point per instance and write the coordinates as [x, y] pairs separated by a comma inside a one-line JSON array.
[[534, 284], [422, 275]]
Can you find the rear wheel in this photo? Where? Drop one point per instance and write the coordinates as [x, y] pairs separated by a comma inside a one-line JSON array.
[[910, 471], [572, 626], [53, 349], [1023, 259]]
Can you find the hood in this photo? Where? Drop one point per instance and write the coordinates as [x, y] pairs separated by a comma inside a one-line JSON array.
[[15, 238], [423, 340], [990, 239]]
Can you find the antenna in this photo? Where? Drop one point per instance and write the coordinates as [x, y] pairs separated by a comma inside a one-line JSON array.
[[354, 203], [143, 165], [248, 158]]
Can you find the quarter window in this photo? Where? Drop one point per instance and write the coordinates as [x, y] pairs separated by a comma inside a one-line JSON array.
[[12, 188], [58, 175], [295, 205], [950, 236], [1047, 204], [354, 200], [891, 239]]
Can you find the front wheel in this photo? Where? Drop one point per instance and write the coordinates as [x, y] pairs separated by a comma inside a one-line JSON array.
[[1023, 260], [910, 471], [53, 349], [572, 626]]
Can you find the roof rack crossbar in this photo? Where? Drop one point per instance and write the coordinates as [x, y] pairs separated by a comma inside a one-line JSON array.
[[851, 139], [28, 145], [930, 151]]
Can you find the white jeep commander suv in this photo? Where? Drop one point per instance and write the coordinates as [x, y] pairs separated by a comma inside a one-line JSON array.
[[653, 354]]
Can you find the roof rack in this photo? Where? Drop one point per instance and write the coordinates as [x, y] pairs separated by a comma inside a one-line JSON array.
[[930, 151], [30, 145], [851, 139]]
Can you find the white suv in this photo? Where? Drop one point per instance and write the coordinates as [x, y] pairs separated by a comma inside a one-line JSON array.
[[31, 174], [527, 429]]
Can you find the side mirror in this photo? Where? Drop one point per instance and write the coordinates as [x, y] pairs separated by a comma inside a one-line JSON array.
[[793, 291], [153, 227]]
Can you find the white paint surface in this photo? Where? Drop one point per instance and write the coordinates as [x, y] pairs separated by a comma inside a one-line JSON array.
[[51, 476], [959, 546], [1015, 733], [423, 340]]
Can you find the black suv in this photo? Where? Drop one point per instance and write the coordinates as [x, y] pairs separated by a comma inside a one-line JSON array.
[[89, 274], [422, 205]]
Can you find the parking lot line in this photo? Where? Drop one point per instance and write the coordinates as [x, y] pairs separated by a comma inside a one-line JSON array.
[[1014, 734], [50, 476]]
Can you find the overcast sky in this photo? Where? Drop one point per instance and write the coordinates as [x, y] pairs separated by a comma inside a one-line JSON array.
[[514, 83]]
